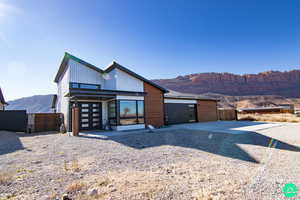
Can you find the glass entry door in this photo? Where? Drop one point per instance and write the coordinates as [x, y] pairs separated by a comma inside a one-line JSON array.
[[90, 116]]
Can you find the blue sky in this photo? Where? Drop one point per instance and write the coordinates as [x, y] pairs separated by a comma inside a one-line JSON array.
[[156, 39]]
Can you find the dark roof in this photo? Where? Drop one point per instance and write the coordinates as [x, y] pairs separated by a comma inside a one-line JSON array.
[[112, 66], [179, 95], [2, 100]]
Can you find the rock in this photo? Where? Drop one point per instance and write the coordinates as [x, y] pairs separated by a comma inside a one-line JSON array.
[[92, 192], [114, 190], [265, 83], [65, 197]]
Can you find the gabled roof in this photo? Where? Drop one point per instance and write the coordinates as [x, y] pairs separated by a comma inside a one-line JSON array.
[[64, 62], [116, 65], [179, 95], [2, 100], [113, 65]]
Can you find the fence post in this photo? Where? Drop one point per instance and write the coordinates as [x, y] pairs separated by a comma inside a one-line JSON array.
[[31, 123]]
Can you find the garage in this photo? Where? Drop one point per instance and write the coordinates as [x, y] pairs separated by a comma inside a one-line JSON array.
[[177, 113], [188, 108]]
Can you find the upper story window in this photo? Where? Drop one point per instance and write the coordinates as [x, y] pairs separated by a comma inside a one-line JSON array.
[[85, 86]]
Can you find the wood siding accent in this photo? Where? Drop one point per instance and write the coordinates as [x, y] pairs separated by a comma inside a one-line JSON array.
[[207, 110], [46, 122], [154, 106], [227, 114]]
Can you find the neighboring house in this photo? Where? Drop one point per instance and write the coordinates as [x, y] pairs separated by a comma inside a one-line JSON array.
[[121, 99], [2, 101], [282, 108]]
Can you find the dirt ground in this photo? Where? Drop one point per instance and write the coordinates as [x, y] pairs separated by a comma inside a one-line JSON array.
[[168, 164]]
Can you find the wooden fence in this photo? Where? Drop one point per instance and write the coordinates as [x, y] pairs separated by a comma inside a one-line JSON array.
[[227, 114], [40, 122]]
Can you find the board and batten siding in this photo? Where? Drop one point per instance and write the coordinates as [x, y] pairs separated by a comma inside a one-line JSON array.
[[110, 80], [82, 74], [62, 104], [120, 80], [127, 82]]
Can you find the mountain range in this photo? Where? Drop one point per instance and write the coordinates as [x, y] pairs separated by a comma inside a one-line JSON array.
[[286, 84], [234, 91], [33, 104]]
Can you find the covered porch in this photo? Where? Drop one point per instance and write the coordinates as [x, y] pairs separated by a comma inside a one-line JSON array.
[[105, 111]]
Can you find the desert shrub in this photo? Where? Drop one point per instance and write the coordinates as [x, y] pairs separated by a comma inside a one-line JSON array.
[[75, 187]]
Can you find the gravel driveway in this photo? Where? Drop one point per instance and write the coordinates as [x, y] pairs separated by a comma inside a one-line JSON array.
[[173, 163]]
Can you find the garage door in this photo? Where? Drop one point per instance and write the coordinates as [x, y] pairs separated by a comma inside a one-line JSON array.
[[180, 113]]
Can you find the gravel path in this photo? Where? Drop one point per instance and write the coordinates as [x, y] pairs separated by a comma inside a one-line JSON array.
[[169, 164]]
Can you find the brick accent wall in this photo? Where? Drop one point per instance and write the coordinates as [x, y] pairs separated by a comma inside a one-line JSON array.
[[154, 106], [207, 111]]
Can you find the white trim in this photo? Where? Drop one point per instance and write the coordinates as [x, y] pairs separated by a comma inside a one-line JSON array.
[[180, 101], [91, 100], [130, 127], [130, 97]]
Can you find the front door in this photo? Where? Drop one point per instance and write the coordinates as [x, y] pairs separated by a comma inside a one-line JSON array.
[[90, 116]]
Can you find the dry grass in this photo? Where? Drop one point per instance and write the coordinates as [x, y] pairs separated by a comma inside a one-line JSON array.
[[72, 166], [166, 183], [6, 178], [75, 187], [284, 117]]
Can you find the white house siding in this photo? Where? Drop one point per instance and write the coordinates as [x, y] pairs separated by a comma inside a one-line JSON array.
[[127, 82], [180, 101], [104, 112], [130, 97], [120, 80], [110, 82], [62, 104], [82, 74]]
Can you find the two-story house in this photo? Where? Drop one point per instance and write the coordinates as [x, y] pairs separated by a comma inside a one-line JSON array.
[[119, 98], [2, 101]]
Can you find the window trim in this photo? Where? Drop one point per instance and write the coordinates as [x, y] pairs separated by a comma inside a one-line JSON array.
[[137, 117], [116, 113], [79, 86]]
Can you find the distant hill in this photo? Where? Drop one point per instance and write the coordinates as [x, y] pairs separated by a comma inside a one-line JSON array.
[[33, 104], [285, 84], [240, 91], [253, 101]]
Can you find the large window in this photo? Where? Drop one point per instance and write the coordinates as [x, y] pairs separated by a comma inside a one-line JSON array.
[[131, 112], [85, 86], [126, 112]]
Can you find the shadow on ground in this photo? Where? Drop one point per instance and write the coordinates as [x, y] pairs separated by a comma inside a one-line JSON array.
[[218, 143], [10, 141]]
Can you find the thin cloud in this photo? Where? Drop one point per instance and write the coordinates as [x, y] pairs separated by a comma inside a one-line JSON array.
[[3, 38], [7, 10]]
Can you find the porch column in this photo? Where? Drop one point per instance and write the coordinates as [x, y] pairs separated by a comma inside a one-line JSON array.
[[75, 119]]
